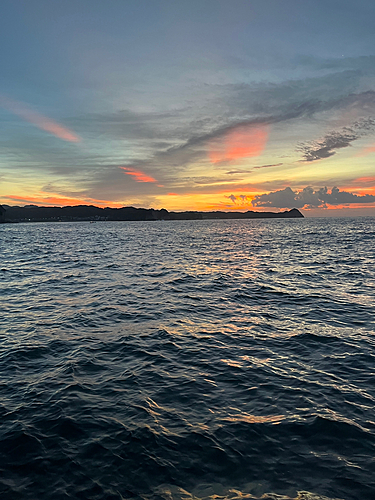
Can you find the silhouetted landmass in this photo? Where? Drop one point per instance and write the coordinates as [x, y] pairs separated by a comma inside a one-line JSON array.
[[2, 213], [33, 213]]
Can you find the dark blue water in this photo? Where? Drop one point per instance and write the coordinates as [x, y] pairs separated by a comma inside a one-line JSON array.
[[188, 360]]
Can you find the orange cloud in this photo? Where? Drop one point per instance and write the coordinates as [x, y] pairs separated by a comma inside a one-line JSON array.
[[138, 175], [61, 201], [366, 151], [242, 142], [40, 121], [362, 184], [366, 180]]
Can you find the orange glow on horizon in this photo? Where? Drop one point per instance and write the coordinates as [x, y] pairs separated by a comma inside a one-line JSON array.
[[207, 202], [61, 201], [40, 121], [225, 201], [342, 206], [138, 175], [242, 142]]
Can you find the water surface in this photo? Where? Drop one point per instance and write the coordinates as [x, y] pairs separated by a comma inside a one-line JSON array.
[[187, 359]]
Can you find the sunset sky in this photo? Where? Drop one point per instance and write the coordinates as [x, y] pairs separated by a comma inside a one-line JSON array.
[[189, 104]]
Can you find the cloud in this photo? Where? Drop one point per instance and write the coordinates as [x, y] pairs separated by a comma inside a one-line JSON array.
[[247, 136], [238, 139], [240, 199], [232, 172], [322, 93], [280, 199], [268, 166], [360, 64], [240, 142], [171, 147], [337, 197], [367, 151], [317, 150], [367, 181], [326, 147], [40, 121], [138, 175], [308, 198]]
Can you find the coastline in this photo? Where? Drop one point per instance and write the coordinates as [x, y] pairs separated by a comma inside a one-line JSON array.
[[33, 213]]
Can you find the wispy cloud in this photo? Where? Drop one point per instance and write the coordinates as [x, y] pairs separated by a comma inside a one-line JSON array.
[[233, 172], [138, 175], [42, 122], [268, 166], [328, 145]]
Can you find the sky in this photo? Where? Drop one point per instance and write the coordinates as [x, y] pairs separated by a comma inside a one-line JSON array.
[[189, 104]]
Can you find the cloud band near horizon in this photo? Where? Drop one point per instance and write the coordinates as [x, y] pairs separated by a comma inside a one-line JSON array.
[[309, 198]]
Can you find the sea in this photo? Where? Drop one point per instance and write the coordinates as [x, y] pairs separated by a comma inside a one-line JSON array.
[[188, 360]]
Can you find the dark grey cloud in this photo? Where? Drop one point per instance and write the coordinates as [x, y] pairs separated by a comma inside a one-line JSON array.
[[284, 198], [309, 198], [337, 197], [233, 172], [241, 199], [268, 166], [317, 150], [326, 147]]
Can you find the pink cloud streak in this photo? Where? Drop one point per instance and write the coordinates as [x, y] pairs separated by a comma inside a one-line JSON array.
[[138, 175], [40, 121]]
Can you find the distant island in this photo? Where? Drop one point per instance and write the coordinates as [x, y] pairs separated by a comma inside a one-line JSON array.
[[33, 213]]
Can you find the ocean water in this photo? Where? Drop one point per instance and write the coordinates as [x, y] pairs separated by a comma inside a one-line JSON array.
[[188, 360]]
